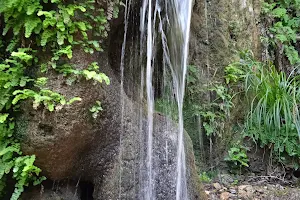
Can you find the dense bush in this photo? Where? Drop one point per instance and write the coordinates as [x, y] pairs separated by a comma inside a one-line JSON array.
[[273, 119]]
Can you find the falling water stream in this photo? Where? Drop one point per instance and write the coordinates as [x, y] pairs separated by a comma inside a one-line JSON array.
[[165, 26]]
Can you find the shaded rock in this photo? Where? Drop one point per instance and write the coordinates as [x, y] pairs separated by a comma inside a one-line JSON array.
[[226, 179], [108, 152], [219, 30], [63, 192], [260, 190]]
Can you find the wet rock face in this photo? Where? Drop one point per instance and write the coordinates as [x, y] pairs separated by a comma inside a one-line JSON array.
[[219, 30], [67, 191], [114, 166], [107, 152], [70, 144]]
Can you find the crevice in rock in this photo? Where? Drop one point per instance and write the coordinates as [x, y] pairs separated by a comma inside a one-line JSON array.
[[87, 190], [132, 68], [296, 173], [45, 129]]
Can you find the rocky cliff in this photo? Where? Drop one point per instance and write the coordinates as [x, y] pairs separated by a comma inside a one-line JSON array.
[[78, 153]]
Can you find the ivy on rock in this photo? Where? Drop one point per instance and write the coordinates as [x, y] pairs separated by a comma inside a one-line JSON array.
[[54, 27]]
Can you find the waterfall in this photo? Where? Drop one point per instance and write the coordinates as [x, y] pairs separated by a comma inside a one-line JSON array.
[[164, 29]]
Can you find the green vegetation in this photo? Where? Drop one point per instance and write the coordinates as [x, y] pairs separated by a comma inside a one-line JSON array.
[[207, 108], [271, 92], [285, 28], [54, 28], [273, 119], [237, 156], [204, 177], [96, 109], [214, 112]]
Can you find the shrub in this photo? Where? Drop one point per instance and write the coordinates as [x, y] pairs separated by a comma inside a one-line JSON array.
[[237, 156], [273, 119]]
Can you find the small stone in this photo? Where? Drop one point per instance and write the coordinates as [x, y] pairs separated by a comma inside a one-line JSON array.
[[225, 196], [279, 187], [232, 191], [226, 179], [222, 190], [247, 188], [243, 194], [207, 192], [242, 187], [261, 191], [217, 186], [245, 191], [206, 42]]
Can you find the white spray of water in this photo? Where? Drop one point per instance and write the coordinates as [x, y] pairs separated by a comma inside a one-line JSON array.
[[126, 19], [185, 18], [178, 18], [150, 102], [169, 22]]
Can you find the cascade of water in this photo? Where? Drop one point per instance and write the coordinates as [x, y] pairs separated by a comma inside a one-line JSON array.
[[126, 21], [150, 101], [164, 29], [183, 8], [174, 29]]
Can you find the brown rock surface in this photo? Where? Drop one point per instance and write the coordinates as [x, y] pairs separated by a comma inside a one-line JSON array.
[[107, 152]]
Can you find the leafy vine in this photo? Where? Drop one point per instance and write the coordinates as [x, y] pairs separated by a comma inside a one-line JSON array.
[[54, 27]]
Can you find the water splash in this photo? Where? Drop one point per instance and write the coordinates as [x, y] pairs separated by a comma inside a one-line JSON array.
[[126, 21], [174, 28], [150, 102], [163, 39]]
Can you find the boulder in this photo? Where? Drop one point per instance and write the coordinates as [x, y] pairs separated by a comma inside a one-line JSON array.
[[108, 151]]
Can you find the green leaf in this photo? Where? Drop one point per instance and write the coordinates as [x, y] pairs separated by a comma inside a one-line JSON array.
[[81, 8], [22, 56], [208, 128], [60, 38], [279, 12], [3, 118], [61, 26], [81, 26], [46, 35], [50, 107], [32, 8], [70, 38], [73, 100]]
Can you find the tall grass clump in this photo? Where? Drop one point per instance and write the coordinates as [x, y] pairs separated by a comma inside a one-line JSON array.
[[273, 119]]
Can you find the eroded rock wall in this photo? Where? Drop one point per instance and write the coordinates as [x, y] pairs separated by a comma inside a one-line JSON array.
[[107, 152], [220, 29], [70, 144]]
